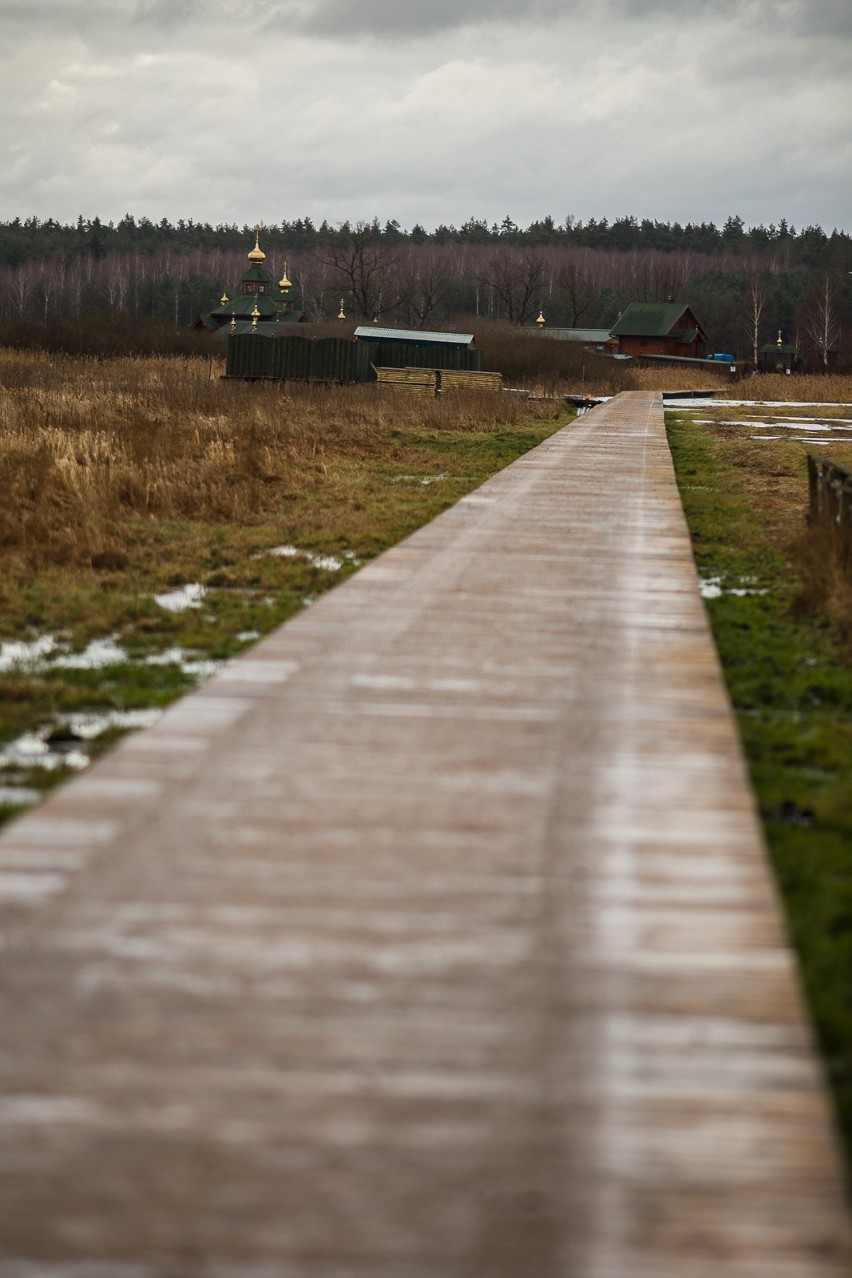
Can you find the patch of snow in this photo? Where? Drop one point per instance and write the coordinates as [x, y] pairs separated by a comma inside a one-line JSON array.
[[93, 725], [182, 597], [46, 654], [21, 655], [246, 636], [18, 794], [37, 750], [762, 404], [201, 667], [829, 421], [32, 751], [330, 563], [97, 654], [419, 479], [712, 588]]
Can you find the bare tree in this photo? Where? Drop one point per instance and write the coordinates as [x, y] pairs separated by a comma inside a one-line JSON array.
[[115, 281], [516, 278], [823, 319], [21, 287], [423, 284], [365, 268], [756, 297], [51, 282], [576, 291], [318, 284]]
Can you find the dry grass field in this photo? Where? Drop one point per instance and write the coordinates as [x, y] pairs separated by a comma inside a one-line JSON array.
[[156, 518], [95, 457]]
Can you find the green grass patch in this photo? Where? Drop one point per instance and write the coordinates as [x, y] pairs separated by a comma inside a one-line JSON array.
[[790, 680]]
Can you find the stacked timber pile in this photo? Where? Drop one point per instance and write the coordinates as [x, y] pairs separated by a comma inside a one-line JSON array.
[[453, 380], [409, 381], [419, 381]]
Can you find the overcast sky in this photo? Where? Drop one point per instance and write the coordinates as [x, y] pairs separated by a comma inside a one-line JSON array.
[[427, 110]]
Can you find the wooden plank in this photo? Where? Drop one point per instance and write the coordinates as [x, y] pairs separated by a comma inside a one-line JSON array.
[[426, 377], [434, 936], [454, 380]]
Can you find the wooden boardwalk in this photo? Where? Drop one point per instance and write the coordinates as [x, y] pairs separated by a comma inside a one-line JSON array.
[[432, 939]]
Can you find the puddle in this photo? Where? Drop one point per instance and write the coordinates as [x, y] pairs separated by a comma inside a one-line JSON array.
[[182, 597]]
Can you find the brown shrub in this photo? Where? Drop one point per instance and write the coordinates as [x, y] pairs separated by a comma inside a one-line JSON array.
[[824, 564], [528, 359]]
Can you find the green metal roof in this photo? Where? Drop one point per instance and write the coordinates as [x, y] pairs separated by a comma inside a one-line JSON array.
[[590, 335], [649, 319]]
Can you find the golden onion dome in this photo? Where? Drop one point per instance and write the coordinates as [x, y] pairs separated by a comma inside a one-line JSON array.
[[284, 283], [224, 299], [541, 320], [257, 254]]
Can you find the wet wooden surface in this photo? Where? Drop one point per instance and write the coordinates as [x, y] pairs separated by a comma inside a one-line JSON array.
[[432, 939]]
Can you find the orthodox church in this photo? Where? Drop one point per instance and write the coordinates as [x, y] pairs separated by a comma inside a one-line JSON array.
[[260, 306]]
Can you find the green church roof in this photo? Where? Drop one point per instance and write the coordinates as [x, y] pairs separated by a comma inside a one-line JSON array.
[[245, 304], [649, 319], [257, 275]]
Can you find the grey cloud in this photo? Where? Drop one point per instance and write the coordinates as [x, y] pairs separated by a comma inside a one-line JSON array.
[[398, 19], [824, 17], [167, 13]]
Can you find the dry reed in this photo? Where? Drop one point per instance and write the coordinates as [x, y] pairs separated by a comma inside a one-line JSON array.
[[89, 447], [815, 388]]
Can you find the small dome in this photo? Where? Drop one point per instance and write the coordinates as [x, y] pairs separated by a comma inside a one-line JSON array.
[[284, 283], [257, 254]]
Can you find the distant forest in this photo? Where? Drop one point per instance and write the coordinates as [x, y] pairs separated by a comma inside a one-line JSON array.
[[746, 284]]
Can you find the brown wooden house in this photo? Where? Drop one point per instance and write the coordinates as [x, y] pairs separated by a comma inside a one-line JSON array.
[[660, 328]]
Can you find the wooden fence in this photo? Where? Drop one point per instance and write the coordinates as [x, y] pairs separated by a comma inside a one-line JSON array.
[[437, 381], [332, 359], [830, 488]]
